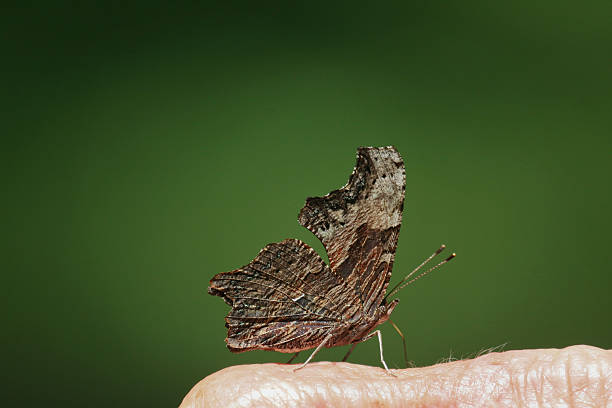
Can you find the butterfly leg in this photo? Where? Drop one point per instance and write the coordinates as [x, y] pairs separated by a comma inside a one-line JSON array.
[[346, 356], [403, 341], [293, 357], [382, 360], [325, 340]]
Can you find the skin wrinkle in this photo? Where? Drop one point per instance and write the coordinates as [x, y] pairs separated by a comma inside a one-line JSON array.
[[521, 382], [605, 385], [591, 382], [589, 369], [604, 379], [515, 392], [568, 379], [534, 381], [513, 379]]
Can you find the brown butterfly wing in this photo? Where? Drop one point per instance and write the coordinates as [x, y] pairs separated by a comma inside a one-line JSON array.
[[359, 223], [286, 299]]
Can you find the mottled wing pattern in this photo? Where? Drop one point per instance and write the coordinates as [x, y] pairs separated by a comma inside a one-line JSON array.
[[286, 299], [359, 223]]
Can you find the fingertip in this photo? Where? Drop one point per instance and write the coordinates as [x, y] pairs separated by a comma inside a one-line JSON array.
[[262, 385]]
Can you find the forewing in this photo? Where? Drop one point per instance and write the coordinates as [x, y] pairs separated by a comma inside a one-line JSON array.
[[286, 299], [359, 223]]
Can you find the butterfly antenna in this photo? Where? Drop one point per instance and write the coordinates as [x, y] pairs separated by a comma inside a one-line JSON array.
[[405, 281], [416, 269]]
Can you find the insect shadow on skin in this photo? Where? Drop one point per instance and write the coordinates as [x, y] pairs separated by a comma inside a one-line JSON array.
[[289, 300]]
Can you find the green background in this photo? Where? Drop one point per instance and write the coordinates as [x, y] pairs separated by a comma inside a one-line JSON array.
[[147, 147]]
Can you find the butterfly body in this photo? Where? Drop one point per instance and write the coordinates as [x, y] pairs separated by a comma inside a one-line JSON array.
[[357, 328]]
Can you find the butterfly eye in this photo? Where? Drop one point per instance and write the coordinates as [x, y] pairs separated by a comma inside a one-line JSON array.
[[391, 306]]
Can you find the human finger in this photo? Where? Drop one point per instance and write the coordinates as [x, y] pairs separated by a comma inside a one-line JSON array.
[[575, 376]]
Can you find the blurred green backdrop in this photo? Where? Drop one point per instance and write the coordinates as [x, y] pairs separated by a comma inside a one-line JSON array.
[[149, 146]]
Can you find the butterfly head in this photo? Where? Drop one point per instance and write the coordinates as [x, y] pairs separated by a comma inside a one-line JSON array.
[[386, 310]]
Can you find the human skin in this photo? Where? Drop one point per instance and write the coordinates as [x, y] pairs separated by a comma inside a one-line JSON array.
[[577, 376]]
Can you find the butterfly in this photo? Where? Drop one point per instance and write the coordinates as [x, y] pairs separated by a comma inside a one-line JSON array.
[[289, 299]]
